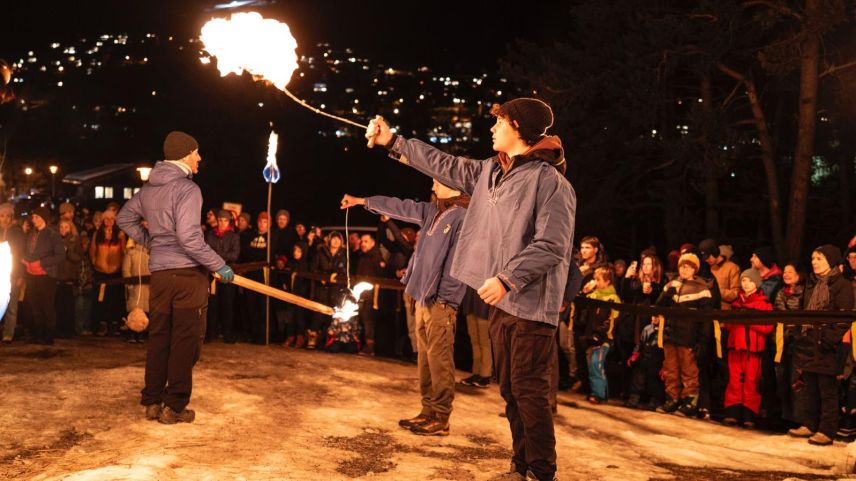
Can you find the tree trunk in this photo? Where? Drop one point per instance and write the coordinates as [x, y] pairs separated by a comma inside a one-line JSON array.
[[801, 172], [768, 158], [711, 184]]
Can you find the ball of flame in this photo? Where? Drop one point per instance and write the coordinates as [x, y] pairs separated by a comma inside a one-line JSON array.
[[249, 42]]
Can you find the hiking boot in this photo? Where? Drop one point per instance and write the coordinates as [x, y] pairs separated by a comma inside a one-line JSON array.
[[299, 342], [482, 382], [729, 421], [436, 426], [153, 411], [531, 476], [748, 424], [704, 413], [469, 381], [632, 402], [418, 420], [509, 476], [670, 406], [312, 339], [289, 342], [801, 432], [847, 429], [168, 416], [820, 439]]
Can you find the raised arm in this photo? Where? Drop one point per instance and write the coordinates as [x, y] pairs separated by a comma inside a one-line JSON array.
[[130, 220]]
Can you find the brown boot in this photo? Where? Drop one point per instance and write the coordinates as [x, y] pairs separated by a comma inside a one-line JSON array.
[[368, 349], [299, 342], [437, 426], [312, 339], [289, 342]]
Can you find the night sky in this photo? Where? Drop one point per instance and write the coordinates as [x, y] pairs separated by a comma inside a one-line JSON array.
[[452, 35]]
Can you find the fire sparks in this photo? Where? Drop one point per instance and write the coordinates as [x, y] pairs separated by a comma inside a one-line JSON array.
[[271, 171], [248, 42], [5, 276], [350, 305]]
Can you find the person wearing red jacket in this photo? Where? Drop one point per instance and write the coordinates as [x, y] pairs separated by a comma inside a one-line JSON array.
[[745, 348]]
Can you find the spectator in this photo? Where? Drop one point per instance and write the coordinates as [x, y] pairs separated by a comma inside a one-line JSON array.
[[300, 230], [12, 233], [354, 242], [135, 264], [256, 251], [727, 273], [745, 347], [682, 337], [600, 323], [370, 264], [106, 252], [66, 212], [283, 236], [790, 298], [224, 241], [97, 218], [343, 335], [83, 292], [645, 363], [816, 349], [329, 263], [210, 219], [67, 279], [764, 261], [43, 255], [591, 257], [296, 317], [476, 311]]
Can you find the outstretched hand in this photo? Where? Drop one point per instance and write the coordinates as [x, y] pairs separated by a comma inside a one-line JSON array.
[[378, 132], [349, 201]]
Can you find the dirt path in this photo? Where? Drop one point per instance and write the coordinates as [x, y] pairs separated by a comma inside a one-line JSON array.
[[71, 412]]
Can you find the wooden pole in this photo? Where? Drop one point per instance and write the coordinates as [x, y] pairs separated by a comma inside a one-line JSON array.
[[282, 295]]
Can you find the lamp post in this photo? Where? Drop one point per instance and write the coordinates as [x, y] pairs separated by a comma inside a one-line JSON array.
[[53, 169], [28, 171], [144, 173]]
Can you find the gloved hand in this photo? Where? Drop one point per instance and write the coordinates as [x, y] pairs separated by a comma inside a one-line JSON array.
[[226, 274], [633, 358]]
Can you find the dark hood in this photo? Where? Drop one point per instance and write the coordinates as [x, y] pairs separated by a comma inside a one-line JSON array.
[[548, 149]]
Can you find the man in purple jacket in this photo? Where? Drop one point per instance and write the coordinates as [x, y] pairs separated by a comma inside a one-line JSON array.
[[515, 249], [180, 260], [437, 295]]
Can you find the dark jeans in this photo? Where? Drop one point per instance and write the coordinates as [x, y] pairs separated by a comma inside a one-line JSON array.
[[177, 309], [367, 318], [645, 377], [65, 310], [41, 292], [295, 320], [221, 313], [524, 355], [112, 307], [821, 403]]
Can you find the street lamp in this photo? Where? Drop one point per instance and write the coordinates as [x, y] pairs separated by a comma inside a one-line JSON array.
[[144, 173], [28, 171], [53, 170]]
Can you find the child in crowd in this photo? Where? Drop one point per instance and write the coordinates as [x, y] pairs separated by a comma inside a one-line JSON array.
[[599, 324], [683, 336], [646, 362], [745, 350]]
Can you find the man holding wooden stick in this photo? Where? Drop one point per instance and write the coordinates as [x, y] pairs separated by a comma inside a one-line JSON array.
[[180, 261]]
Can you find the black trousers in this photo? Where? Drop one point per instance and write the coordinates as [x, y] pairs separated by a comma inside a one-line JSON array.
[[524, 357], [821, 403], [221, 313], [65, 310], [177, 309], [41, 294]]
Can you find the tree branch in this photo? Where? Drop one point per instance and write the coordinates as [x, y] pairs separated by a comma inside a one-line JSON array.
[[836, 68], [731, 72], [784, 10]]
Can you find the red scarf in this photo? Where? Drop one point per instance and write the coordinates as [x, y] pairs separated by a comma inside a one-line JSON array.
[[220, 233]]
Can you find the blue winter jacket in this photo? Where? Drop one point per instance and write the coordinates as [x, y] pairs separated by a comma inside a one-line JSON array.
[[172, 204], [428, 277], [519, 225]]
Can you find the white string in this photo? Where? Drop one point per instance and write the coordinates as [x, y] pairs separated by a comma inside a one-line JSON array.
[[347, 251], [140, 276]]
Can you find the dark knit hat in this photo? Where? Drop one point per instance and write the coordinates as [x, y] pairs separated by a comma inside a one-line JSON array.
[[45, 214], [224, 214], [283, 212], [531, 117], [246, 216], [338, 234], [753, 276], [707, 248], [178, 145], [832, 254], [691, 259], [262, 215], [767, 256]]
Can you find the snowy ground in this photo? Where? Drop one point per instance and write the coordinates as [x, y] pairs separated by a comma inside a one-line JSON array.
[[70, 412]]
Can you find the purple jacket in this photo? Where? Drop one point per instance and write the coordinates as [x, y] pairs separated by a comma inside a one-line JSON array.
[[171, 203], [428, 277], [519, 226]]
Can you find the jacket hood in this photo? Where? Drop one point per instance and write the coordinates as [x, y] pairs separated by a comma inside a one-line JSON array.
[[548, 149], [164, 173]]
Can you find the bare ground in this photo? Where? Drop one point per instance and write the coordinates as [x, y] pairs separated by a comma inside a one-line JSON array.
[[71, 412]]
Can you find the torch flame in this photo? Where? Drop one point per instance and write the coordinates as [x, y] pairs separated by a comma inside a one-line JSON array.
[[271, 171], [349, 307], [248, 42], [5, 277]]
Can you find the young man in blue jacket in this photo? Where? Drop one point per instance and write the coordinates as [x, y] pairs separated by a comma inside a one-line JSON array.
[[515, 249], [437, 295], [171, 204]]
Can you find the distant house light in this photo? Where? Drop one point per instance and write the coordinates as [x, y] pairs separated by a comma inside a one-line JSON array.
[[108, 192], [99, 192], [127, 193]]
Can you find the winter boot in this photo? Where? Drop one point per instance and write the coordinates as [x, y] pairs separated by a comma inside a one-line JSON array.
[[153, 411], [847, 429], [689, 406], [820, 439], [436, 426], [632, 402], [671, 405], [422, 418], [515, 473], [289, 342], [168, 416], [312, 339], [299, 342], [801, 432], [368, 349]]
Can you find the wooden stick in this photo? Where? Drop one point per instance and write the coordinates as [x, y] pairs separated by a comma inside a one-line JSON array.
[[282, 295]]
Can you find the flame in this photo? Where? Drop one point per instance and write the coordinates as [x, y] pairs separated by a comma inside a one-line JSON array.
[[5, 277], [271, 171], [349, 307], [249, 42]]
